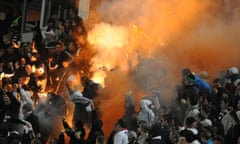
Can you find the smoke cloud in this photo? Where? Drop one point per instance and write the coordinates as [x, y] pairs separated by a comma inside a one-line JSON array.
[[162, 38]]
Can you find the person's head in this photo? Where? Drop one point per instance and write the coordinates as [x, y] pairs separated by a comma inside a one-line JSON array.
[[217, 83], [156, 130], [233, 117], [224, 103], [142, 127], [23, 61], [72, 46], [73, 83], [132, 136], [166, 120], [97, 124], [6, 39], [73, 12], [28, 69], [59, 46], [191, 122], [7, 99], [27, 108], [120, 124], [186, 71], [186, 136], [232, 71], [51, 22], [67, 23], [190, 78]]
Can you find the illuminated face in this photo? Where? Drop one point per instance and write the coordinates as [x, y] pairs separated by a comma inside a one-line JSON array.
[[23, 61], [71, 47], [28, 69], [59, 48], [6, 99], [223, 105]]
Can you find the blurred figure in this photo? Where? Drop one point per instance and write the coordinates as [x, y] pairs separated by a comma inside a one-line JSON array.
[[232, 78], [76, 134], [82, 104], [121, 135], [146, 113]]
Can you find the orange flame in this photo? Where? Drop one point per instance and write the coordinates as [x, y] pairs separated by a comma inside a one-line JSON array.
[[98, 77]]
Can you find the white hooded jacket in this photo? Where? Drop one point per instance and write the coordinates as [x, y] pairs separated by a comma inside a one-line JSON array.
[[146, 113]]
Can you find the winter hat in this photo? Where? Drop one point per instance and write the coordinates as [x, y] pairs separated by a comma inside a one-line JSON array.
[[206, 123], [233, 70]]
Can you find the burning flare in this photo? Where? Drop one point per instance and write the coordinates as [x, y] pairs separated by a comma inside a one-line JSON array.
[[109, 42]]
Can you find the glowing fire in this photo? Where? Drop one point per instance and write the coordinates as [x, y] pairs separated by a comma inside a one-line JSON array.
[[98, 77], [109, 41]]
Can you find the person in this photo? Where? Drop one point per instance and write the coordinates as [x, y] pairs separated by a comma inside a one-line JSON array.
[[190, 132], [31, 117], [51, 111], [143, 132], [156, 135], [37, 41], [16, 21], [89, 87], [74, 18], [75, 134], [146, 113], [82, 105], [233, 132], [204, 87], [132, 137], [231, 79], [218, 92], [49, 44], [96, 133], [10, 105], [130, 111], [121, 136]]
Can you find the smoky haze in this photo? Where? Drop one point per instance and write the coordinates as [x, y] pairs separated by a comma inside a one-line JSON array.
[[165, 37]]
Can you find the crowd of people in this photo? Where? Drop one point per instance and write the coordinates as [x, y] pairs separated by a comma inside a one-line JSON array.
[[204, 112], [38, 80]]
